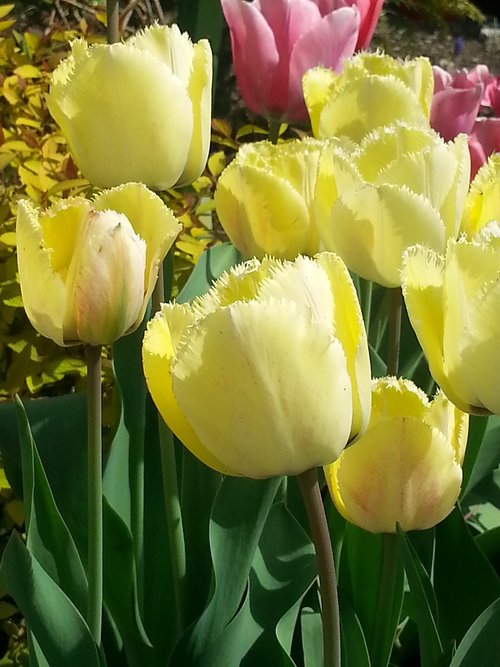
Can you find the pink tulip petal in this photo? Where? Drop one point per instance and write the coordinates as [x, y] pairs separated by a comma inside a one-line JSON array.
[[455, 110], [484, 140], [492, 95], [329, 42], [254, 49]]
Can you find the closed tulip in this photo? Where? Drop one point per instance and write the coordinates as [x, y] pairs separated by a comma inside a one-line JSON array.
[[275, 41], [406, 468], [369, 13], [136, 111], [88, 268], [372, 90], [412, 189], [270, 198], [453, 302], [267, 374]]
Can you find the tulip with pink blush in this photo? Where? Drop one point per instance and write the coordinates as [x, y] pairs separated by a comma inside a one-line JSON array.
[[274, 42], [484, 140], [369, 13]]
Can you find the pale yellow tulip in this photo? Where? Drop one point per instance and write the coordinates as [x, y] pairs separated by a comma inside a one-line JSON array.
[[136, 111], [406, 468], [269, 373], [88, 268]]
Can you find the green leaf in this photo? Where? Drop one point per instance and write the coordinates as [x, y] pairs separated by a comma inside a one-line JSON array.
[[312, 637], [209, 267], [354, 648], [424, 603], [59, 427], [465, 584], [482, 454], [238, 517], [48, 537], [481, 644], [120, 592], [59, 629], [371, 577]]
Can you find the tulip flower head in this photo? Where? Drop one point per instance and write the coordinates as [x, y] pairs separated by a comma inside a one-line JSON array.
[[372, 90], [406, 468], [226, 377], [136, 111], [483, 200], [411, 189], [453, 302], [270, 198], [275, 41], [484, 140], [88, 268]]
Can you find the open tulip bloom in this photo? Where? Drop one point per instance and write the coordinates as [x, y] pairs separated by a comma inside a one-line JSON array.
[[406, 468], [226, 377], [136, 111]]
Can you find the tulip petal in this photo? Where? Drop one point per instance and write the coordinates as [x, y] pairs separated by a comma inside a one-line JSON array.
[[393, 397], [358, 109], [262, 213], [318, 86], [103, 304], [127, 107], [454, 110], [150, 218], [329, 42], [161, 340], [483, 201], [373, 226], [43, 292], [237, 363], [414, 478]]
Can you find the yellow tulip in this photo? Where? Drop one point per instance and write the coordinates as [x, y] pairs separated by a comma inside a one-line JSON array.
[[372, 90], [483, 201], [269, 373], [270, 198], [453, 302], [406, 468], [88, 268], [136, 111], [411, 189]]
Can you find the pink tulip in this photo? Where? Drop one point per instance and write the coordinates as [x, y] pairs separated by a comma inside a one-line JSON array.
[[492, 95], [484, 140], [274, 42], [369, 12], [456, 101]]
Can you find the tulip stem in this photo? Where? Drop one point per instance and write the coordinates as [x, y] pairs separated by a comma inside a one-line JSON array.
[[273, 130], [309, 486], [174, 520], [394, 342], [95, 539], [366, 305], [113, 21], [380, 653]]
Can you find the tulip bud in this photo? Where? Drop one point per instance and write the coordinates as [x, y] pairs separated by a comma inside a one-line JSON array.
[[406, 468], [87, 269], [453, 305], [136, 111], [372, 90], [226, 375]]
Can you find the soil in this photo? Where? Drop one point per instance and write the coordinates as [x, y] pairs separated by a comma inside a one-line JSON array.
[[439, 44]]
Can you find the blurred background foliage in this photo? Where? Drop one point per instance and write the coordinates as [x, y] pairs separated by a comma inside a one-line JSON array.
[[35, 163]]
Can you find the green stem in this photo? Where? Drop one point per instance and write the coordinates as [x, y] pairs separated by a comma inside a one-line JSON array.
[[158, 296], [94, 421], [273, 130], [113, 21], [174, 520], [380, 654], [394, 342], [309, 486], [366, 305]]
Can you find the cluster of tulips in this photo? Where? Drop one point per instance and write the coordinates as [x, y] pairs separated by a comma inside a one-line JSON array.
[[269, 372]]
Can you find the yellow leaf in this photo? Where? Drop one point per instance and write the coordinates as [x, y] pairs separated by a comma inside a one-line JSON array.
[[5, 25], [15, 510], [4, 483], [29, 122], [5, 159], [5, 9], [10, 90], [32, 40], [16, 146], [8, 239], [28, 72], [216, 163]]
